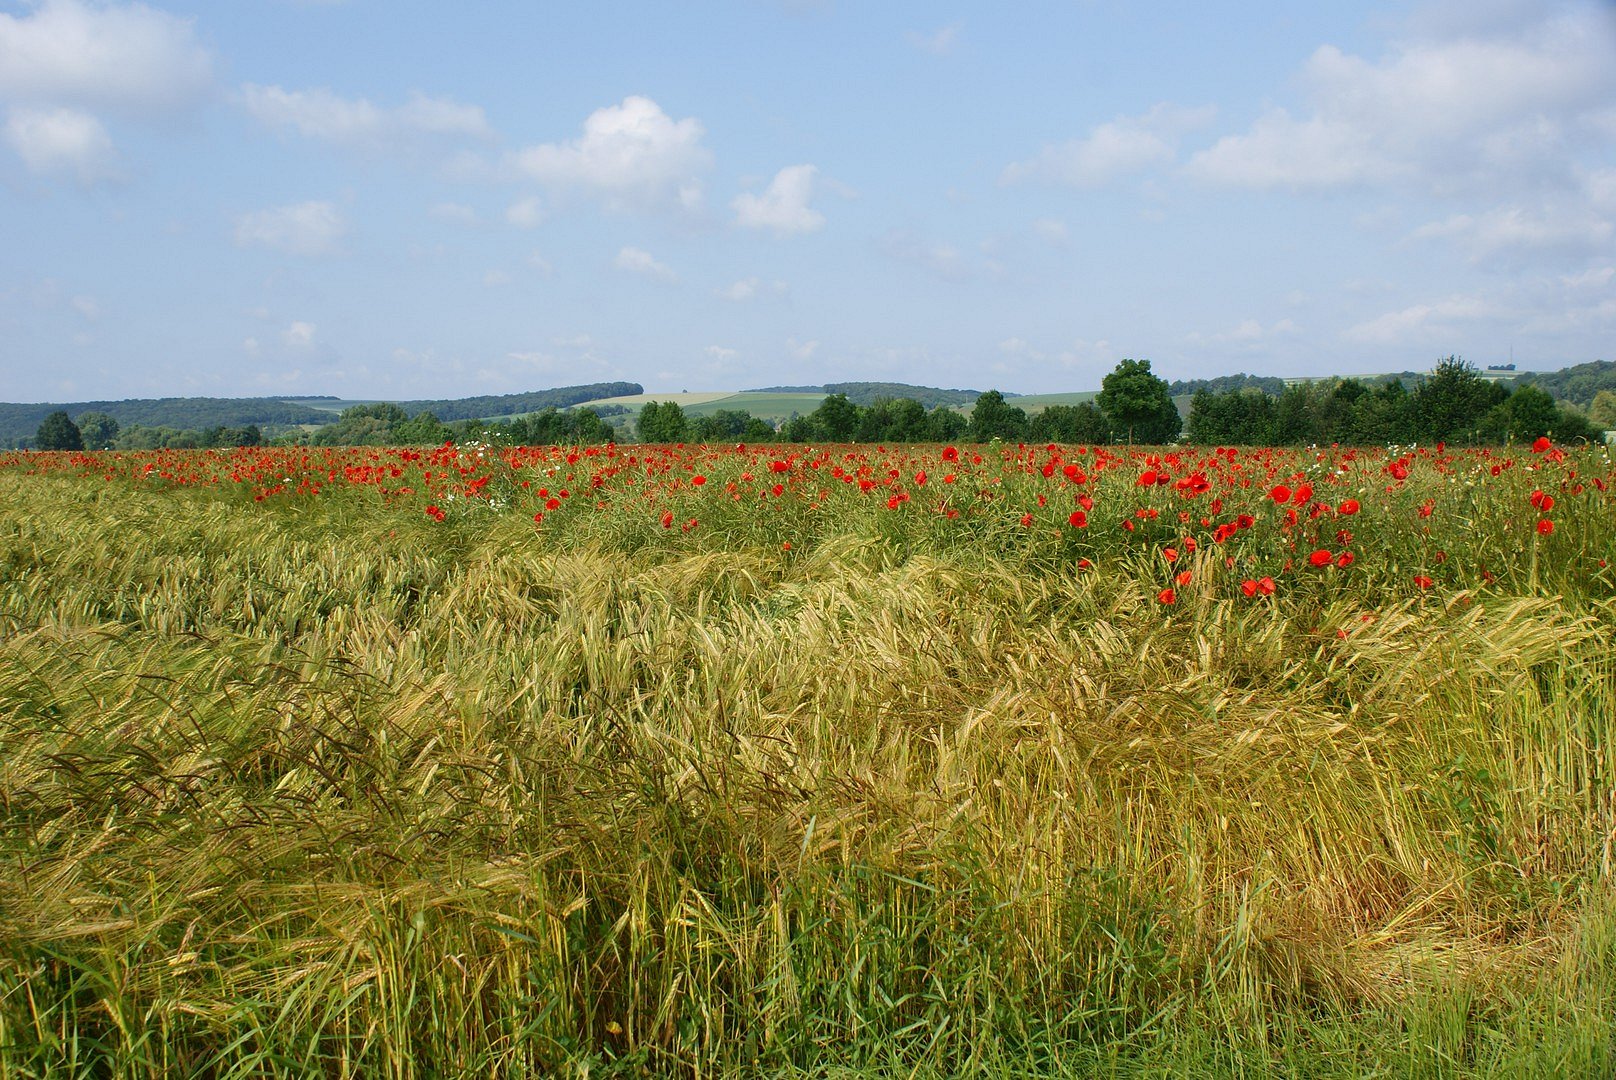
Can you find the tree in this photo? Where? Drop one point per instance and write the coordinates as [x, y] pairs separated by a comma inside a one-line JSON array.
[[993, 419], [1138, 403], [1603, 410], [943, 424], [662, 422], [58, 432], [1453, 401], [1082, 423], [98, 430], [836, 419], [1523, 416]]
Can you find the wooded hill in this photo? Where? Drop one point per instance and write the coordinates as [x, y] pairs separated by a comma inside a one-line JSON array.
[[19, 422]]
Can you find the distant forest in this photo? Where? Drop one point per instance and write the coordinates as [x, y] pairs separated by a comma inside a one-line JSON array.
[[1580, 383], [477, 408], [19, 422]]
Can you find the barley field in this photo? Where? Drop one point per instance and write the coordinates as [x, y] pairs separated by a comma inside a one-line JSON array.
[[808, 761]]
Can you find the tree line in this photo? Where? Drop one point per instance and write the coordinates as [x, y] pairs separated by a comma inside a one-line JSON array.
[[1454, 404]]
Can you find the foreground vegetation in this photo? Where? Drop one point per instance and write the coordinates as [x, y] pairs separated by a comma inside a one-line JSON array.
[[924, 761]]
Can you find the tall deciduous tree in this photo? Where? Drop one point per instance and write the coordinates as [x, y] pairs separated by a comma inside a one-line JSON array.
[[58, 432], [662, 422], [1139, 404], [994, 419]]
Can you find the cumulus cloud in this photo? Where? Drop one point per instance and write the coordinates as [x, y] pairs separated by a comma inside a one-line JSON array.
[[943, 260], [1051, 231], [121, 57], [1437, 320], [632, 155], [750, 289], [637, 261], [64, 63], [939, 42], [1120, 147], [359, 124], [1513, 234], [299, 335], [308, 228], [454, 212], [62, 141], [1444, 115], [783, 206], [525, 213]]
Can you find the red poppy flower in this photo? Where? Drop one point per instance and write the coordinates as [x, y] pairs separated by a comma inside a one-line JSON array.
[[1184, 577], [1348, 506], [1166, 596], [1422, 582], [1321, 557], [1545, 527], [698, 480], [1078, 519], [1265, 586], [1280, 494], [1249, 587], [667, 520], [1344, 559], [1541, 444]]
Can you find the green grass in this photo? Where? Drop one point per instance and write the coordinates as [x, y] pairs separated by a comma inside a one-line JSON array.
[[324, 789]]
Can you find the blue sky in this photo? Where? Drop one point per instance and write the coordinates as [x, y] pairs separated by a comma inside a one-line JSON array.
[[404, 199]]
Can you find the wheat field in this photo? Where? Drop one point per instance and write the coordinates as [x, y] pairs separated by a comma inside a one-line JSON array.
[[332, 787]]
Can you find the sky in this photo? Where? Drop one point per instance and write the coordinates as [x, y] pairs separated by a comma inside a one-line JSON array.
[[402, 199]]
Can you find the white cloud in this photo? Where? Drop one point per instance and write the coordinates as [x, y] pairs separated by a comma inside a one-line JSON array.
[[540, 263], [636, 261], [1422, 322], [1246, 332], [721, 354], [783, 206], [454, 212], [494, 278], [939, 42], [356, 123], [750, 289], [61, 141], [87, 308], [123, 57], [300, 335], [1511, 234], [944, 260], [801, 350], [631, 155], [525, 213], [1051, 231], [250, 346], [1463, 113], [1128, 144], [309, 228]]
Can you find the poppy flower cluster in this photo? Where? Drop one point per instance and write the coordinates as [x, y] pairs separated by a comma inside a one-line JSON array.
[[1276, 518]]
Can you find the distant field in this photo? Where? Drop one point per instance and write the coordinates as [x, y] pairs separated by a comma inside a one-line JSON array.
[[326, 404], [764, 406], [1037, 403], [773, 407]]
